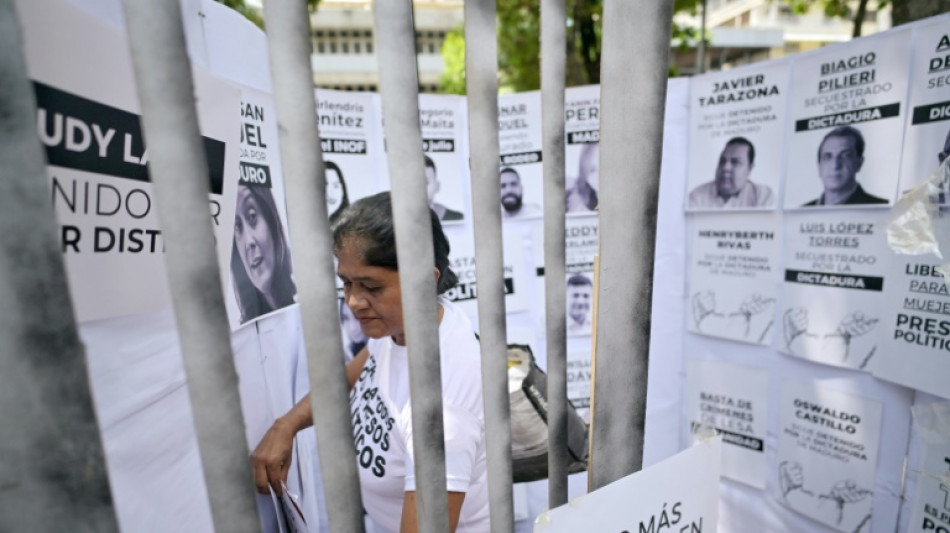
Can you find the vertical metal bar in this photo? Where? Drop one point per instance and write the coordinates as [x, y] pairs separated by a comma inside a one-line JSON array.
[[701, 46], [399, 83], [179, 173], [481, 81], [636, 41], [302, 159], [553, 44], [52, 467]]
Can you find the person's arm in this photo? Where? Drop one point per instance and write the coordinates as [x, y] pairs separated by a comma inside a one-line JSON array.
[[410, 524], [271, 459]]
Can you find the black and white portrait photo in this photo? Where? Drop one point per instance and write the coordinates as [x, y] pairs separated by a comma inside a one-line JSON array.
[[261, 272], [840, 159], [513, 204], [732, 185]]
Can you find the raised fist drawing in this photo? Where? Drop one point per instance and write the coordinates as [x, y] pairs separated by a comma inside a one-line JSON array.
[[704, 304], [755, 304], [795, 323], [790, 477], [855, 324]]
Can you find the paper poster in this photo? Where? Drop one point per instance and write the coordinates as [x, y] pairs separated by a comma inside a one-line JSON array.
[[915, 340], [732, 400], [846, 123], [827, 454], [927, 134], [262, 277], [462, 259], [736, 138], [582, 149], [88, 122], [663, 502], [930, 506], [520, 175], [580, 249], [832, 299], [733, 276], [578, 382], [444, 141], [352, 141]]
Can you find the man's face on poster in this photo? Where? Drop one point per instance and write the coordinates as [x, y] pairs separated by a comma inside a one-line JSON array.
[[432, 184], [579, 298], [733, 170], [511, 191], [839, 163]]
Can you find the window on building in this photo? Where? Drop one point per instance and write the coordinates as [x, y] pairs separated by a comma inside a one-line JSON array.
[[345, 47], [332, 47]]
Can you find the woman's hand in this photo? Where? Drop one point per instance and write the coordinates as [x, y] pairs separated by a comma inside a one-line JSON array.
[[270, 461]]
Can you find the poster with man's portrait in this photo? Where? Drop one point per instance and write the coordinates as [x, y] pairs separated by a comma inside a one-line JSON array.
[[582, 149], [444, 143], [580, 303], [520, 174], [927, 133], [736, 138], [846, 123]]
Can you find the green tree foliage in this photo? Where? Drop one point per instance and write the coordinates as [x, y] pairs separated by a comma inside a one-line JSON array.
[[855, 12], [519, 28]]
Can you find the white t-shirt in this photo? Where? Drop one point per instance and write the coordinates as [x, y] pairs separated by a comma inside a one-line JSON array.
[[382, 426]]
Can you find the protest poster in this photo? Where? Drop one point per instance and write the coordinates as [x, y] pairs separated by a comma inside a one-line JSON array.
[[88, 123], [578, 382], [832, 297], [663, 501], [351, 136], [582, 149], [734, 276], [519, 145], [732, 400], [736, 138], [462, 258], [262, 277], [444, 142], [827, 454], [927, 133], [846, 114], [580, 249], [930, 504], [915, 338]]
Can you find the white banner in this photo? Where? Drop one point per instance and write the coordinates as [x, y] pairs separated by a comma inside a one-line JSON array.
[[462, 259], [846, 122], [733, 276], [731, 399], [737, 137], [678, 494], [832, 299], [88, 121], [519, 144], [930, 506], [827, 454]]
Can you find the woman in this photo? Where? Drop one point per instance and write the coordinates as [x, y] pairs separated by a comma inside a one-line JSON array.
[[581, 197], [337, 197], [378, 376], [260, 260]]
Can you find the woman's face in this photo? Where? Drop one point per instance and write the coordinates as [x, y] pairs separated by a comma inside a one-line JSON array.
[[254, 241], [334, 191], [371, 292], [351, 326], [590, 166]]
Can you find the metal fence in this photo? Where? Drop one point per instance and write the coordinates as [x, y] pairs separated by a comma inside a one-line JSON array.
[[35, 319]]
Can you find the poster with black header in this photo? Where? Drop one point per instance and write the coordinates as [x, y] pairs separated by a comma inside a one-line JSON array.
[[736, 138], [582, 149], [262, 277], [520, 173], [927, 134], [580, 249], [915, 340], [846, 123], [832, 295], [732, 400], [734, 276], [89, 124], [444, 141], [826, 461], [679, 494], [462, 262], [352, 140]]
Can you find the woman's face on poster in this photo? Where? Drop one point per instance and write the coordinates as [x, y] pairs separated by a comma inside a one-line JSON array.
[[590, 165], [334, 190], [255, 241]]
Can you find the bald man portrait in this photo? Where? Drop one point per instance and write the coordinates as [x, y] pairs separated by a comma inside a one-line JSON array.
[[731, 188]]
